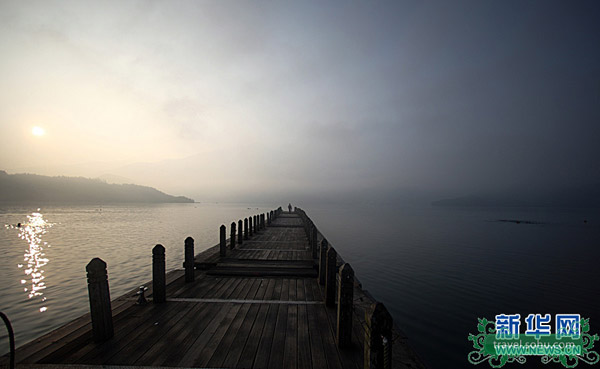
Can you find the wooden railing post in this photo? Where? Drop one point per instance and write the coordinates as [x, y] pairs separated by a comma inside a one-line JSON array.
[[345, 300], [100, 310], [159, 279], [223, 241], [307, 228], [262, 221], [331, 272], [268, 219], [250, 226], [314, 242], [189, 259], [378, 337], [323, 261], [240, 232], [232, 237], [245, 228]]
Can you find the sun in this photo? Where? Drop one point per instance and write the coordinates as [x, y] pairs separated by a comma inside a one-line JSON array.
[[38, 131]]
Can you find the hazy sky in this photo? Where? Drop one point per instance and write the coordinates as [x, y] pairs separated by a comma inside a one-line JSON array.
[[219, 99]]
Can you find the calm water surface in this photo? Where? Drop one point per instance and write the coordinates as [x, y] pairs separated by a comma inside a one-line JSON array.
[[439, 269], [436, 269], [43, 281]]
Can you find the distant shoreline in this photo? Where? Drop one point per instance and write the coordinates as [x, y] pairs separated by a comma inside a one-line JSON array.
[[38, 189], [585, 198], [75, 203]]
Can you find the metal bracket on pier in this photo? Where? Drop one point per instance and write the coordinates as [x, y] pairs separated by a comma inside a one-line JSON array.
[[141, 298]]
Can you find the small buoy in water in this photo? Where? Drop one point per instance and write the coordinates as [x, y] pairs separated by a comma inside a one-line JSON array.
[[18, 225]]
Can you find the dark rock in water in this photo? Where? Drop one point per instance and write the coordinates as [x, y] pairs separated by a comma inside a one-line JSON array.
[[518, 221]]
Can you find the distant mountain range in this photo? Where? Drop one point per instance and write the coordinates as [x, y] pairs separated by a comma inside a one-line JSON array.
[[18, 188]]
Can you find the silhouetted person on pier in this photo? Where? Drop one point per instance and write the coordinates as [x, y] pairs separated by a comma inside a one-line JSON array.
[[289, 208]]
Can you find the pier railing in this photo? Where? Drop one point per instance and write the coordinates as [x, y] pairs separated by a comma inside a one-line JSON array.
[[335, 276]]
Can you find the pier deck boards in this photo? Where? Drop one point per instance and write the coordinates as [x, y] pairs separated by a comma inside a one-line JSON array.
[[259, 307]]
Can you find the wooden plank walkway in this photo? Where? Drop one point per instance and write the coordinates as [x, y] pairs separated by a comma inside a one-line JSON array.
[[260, 306]]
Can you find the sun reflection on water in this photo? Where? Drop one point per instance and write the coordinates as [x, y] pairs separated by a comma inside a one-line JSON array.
[[34, 257]]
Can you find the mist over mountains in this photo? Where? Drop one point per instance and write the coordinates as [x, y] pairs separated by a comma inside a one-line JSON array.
[[19, 188]]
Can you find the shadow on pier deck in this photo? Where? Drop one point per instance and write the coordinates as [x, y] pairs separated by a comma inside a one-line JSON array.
[[259, 306]]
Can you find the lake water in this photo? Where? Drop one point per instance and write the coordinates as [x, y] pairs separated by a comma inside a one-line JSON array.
[[436, 269]]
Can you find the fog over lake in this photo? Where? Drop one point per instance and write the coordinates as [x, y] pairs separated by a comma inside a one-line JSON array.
[[448, 149]]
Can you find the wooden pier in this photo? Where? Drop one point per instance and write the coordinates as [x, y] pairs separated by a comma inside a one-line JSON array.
[[274, 294]]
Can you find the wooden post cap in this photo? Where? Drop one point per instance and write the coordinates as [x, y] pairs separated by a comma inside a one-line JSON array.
[[378, 316], [96, 266], [158, 250]]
